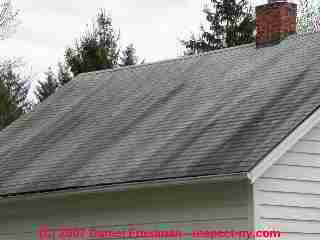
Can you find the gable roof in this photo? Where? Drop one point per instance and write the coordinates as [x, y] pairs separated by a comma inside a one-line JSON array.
[[215, 114]]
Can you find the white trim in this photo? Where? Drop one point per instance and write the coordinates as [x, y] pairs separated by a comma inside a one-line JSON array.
[[284, 146], [128, 186], [251, 208]]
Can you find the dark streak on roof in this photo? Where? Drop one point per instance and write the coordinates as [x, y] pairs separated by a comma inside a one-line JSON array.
[[214, 114]]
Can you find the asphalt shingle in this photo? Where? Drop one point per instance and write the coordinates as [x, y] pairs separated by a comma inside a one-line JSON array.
[[218, 113]]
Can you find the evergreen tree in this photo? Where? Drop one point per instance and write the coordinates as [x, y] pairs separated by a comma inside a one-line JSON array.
[[47, 87], [13, 93], [231, 23], [64, 76], [97, 49], [128, 56]]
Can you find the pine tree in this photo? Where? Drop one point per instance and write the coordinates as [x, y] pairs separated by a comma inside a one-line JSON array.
[[13, 93], [47, 87], [128, 56], [64, 76], [231, 23], [97, 49]]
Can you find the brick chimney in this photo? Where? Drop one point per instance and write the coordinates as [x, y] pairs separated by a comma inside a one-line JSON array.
[[275, 21]]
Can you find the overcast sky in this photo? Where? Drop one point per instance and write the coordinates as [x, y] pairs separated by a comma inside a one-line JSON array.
[[153, 26]]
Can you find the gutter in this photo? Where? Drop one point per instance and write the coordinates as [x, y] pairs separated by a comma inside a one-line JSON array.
[[127, 186]]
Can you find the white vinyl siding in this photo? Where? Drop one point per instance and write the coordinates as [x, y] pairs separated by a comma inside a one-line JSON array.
[[287, 196], [222, 206]]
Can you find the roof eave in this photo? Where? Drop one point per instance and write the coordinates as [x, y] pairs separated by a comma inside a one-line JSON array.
[[129, 186]]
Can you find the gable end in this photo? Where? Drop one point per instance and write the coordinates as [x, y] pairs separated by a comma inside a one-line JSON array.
[[304, 128]]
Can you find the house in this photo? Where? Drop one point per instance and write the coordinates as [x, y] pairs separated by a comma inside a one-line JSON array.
[[227, 140]]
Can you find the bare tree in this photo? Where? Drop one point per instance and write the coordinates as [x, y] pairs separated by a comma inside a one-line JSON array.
[[308, 16], [8, 18]]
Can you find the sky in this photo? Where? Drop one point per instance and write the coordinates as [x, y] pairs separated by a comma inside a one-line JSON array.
[[154, 27]]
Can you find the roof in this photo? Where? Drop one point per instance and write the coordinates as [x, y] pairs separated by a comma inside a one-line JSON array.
[[218, 113]]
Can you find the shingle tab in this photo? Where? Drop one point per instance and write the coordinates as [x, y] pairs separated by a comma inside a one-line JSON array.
[[218, 113]]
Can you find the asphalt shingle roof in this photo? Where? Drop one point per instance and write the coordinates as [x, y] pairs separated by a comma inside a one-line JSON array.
[[218, 113]]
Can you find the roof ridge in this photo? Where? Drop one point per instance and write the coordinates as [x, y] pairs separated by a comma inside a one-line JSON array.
[[295, 36], [169, 60]]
